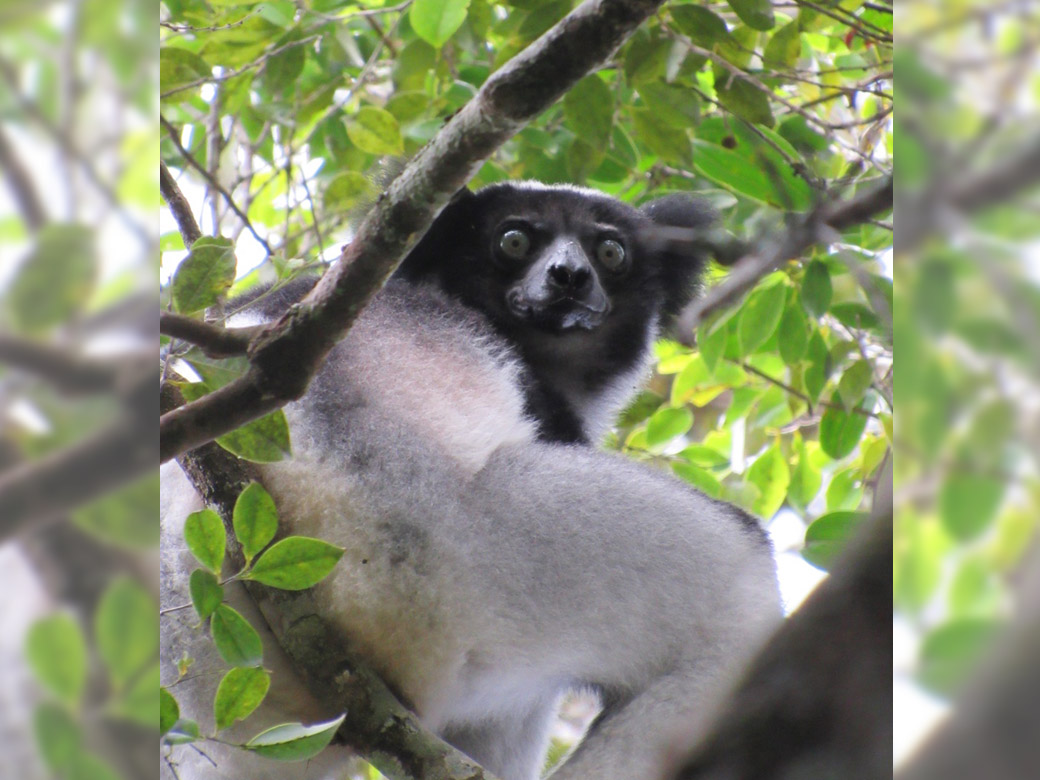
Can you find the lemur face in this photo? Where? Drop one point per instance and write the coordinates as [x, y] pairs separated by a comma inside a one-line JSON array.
[[556, 259]]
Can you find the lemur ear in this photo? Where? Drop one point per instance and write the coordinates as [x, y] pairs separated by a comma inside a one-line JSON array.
[[681, 211], [676, 236]]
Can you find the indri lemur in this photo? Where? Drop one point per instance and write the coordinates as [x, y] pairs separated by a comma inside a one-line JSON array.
[[494, 560]]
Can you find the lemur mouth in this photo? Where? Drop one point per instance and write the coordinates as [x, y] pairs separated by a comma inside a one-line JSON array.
[[560, 314]]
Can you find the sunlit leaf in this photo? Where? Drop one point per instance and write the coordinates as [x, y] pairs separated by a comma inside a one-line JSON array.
[[255, 519], [295, 563], [239, 693], [205, 536], [294, 741], [435, 21]]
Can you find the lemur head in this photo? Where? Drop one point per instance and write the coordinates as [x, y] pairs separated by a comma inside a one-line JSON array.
[[560, 260], [577, 281]]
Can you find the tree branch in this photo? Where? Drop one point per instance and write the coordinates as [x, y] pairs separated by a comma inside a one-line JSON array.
[[286, 356], [815, 228], [179, 206], [215, 341], [47, 489], [67, 371]]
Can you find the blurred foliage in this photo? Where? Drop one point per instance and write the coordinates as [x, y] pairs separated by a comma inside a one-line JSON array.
[[77, 242], [967, 315], [290, 112]]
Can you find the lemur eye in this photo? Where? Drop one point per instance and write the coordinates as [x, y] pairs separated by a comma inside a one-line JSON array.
[[514, 243], [611, 254]]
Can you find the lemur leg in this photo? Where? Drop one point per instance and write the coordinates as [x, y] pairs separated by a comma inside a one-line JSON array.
[[512, 746], [633, 735]]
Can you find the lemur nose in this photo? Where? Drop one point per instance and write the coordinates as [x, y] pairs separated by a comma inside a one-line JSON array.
[[569, 277]]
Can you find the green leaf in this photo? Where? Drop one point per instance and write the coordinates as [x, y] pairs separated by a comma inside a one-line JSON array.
[[239, 693], [265, 440], [672, 104], [125, 517], [588, 110], [806, 480], [57, 653], [375, 131], [741, 97], [345, 191], [793, 333], [739, 173], [969, 502], [179, 67], [435, 21], [646, 58], [705, 28], [206, 538], [139, 703], [818, 370], [58, 736], [169, 711], [855, 382], [184, 731], [711, 342], [296, 563], [255, 519], [236, 640], [760, 316], [816, 289], [840, 431], [282, 71], [700, 478], [205, 275], [206, 592], [126, 629], [90, 767], [669, 143], [294, 741], [666, 424], [857, 316], [262, 441], [756, 14], [951, 652], [771, 475], [55, 281], [845, 492], [784, 47], [827, 536]]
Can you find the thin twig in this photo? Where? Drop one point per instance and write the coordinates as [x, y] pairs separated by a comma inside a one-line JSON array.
[[190, 159], [215, 341]]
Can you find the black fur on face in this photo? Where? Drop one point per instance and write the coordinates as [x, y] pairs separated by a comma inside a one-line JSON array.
[[577, 280]]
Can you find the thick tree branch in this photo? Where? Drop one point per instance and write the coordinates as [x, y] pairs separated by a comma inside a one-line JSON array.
[[285, 357], [817, 227]]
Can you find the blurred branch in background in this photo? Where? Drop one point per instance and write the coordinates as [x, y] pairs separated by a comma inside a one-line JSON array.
[[968, 443], [77, 441]]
